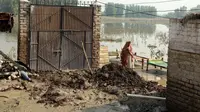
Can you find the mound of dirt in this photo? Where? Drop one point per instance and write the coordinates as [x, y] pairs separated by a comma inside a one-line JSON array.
[[125, 79], [112, 78], [117, 75]]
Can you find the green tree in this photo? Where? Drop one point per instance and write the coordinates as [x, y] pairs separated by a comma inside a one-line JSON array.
[[109, 9], [140, 11], [195, 9], [178, 13], [119, 10], [6, 6]]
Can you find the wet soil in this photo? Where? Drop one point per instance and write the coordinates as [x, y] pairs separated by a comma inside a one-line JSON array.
[[78, 89]]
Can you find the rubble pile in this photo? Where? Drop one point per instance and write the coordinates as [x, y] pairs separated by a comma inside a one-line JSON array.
[[6, 66], [125, 79], [112, 78], [117, 75], [11, 71]]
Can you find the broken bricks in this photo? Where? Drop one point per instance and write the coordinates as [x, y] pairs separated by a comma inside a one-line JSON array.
[[9, 71]]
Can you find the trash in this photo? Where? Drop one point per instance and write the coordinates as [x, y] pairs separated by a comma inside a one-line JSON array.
[[24, 75], [13, 70], [10, 71]]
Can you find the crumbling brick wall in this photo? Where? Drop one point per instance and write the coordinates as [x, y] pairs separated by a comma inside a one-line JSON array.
[[23, 31], [96, 37], [183, 85]]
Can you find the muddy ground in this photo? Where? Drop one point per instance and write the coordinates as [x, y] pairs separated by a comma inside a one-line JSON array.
[[70, 91]]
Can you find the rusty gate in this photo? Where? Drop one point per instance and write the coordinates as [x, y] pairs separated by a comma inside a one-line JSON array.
[[56, 37]]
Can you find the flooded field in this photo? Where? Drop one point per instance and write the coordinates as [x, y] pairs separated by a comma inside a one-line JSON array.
[[114, 35]]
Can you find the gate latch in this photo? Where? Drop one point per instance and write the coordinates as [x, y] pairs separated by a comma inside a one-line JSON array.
[[56, 51]]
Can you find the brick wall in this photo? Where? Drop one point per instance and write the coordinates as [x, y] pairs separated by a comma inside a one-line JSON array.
[[104, 57], [23, 31], [96, 37], [183, 85]]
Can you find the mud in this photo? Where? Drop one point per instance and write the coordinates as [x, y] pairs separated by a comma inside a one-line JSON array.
[[80, 89], [111, 79]]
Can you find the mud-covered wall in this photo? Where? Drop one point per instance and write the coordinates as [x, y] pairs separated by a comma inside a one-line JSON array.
[[183, 85]]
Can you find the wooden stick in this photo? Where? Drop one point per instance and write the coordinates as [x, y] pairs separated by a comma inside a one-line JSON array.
[[86, 58], [144, 96]]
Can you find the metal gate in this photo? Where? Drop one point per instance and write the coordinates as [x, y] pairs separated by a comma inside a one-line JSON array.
[[56, 36]]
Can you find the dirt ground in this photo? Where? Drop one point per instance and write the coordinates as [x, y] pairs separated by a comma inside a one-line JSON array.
[[17, 99], [71, 91]]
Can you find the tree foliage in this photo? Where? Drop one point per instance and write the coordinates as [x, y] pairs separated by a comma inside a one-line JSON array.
[[10, 6], [137, 11], [195, 9], [182, 11], [121, 10], [178, 13]]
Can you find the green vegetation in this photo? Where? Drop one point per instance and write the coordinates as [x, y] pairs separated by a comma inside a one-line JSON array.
[[137, 11], [121, 10], [110, 9], [146, 11], [182, 11], [10, 6]]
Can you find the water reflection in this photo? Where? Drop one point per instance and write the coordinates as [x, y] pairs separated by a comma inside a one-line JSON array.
[[162, 37], [110, 28], [141, 36], [144, 29], [128, 28]]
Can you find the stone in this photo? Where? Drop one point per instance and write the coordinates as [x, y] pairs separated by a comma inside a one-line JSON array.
[[14, 75]]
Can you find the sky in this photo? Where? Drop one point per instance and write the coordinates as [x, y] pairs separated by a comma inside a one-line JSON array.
[[160, 6]]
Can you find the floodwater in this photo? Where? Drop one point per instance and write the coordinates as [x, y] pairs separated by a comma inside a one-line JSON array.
[[8, 44], [114, 35]]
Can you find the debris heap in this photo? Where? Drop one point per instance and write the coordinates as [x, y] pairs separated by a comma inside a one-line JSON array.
[[112, 78], [125, 79], [9, 70]]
